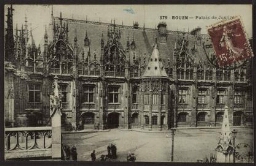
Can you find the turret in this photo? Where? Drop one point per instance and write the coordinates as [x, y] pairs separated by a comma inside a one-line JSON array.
[[9, 39], [86, 40]]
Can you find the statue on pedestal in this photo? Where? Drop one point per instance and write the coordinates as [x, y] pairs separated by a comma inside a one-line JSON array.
[[55, 99]]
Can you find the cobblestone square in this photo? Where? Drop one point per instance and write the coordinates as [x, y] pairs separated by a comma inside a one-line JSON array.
[[189, 145]]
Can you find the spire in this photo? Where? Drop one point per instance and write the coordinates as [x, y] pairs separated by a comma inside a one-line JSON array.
[[225, 130], [86, 40], [225, 136], [102, 41], [155, 67], [75, 38], [16, 30], [61, 19], [128, 42], [45, 33], [52, 11]]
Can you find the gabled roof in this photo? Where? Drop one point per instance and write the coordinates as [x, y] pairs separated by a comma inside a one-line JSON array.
[[155, 67]]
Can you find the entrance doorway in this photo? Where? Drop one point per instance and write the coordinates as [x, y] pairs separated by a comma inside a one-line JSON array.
[[113, 120]]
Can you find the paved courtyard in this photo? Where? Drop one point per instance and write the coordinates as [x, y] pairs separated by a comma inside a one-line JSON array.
[[190, 144]]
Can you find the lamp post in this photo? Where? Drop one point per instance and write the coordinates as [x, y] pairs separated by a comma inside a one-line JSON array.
[[172, 150], [234, 132]]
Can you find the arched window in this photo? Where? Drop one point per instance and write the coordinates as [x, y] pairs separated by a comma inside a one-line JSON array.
[[219, 117], [201, 116], [154, 120], [182, 117], [88, 118]]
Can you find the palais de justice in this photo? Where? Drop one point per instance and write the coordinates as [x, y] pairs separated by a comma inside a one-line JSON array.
[[117, 76]]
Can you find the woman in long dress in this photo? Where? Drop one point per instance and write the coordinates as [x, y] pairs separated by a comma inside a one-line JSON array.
[[226, 41]]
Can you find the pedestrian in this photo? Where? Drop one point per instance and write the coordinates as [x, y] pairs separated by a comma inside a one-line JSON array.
[[67, 150], [93, 156], [74, 153], [113, 151], [109, 152]]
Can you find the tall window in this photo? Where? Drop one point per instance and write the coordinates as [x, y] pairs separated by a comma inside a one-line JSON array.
[[154, 120], [201, 96], [88, 93], [155, 97], [208, 75], [162, 99], [134, 94], [227, 75], [238, 99], [189, 74], [236, 73], [182, 96], [220, 97], [219, 75], [146, 99], [113, 94], [243, 75], [200, 74], [34, 93], [64, 92], [180, 73]]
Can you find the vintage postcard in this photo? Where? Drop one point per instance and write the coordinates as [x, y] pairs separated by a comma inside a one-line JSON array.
[[129, 83]]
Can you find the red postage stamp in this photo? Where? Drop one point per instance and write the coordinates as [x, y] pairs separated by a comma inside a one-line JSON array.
[[230, 42]]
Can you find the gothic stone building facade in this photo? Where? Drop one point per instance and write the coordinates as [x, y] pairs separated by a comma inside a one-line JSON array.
[[113, 75]]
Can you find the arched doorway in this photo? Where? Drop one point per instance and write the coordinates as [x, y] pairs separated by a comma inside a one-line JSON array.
[[237, 117], [113, 120], [88, 120]]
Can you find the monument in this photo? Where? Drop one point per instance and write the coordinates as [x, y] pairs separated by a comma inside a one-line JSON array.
[[55, 112], [224, 150]]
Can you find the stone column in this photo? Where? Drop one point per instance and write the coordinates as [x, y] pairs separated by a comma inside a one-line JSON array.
[[73, 90], [56, 121], [100, 102], [56, 135]]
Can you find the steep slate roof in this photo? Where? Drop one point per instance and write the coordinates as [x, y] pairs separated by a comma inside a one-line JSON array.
[[155, 67], [144, 39]]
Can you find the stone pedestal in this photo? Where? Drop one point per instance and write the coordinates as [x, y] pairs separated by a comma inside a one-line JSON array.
[[56, 135]]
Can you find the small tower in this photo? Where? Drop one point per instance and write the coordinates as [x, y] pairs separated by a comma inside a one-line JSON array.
[[9, 39], [155, 81], [225, 149]]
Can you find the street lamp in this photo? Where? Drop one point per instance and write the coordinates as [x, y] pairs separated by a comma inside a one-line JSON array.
[[172, 151], [234, 132]]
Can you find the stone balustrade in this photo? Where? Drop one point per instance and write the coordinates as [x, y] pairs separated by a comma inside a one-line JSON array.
[[28, 142]]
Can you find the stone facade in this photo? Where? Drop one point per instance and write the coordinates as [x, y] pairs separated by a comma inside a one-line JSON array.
[[101, 74]]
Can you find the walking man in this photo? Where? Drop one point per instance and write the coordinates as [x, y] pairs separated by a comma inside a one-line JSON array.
[[93, 156]]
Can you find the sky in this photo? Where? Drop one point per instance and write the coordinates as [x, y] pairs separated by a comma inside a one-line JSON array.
[[39, 16]]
